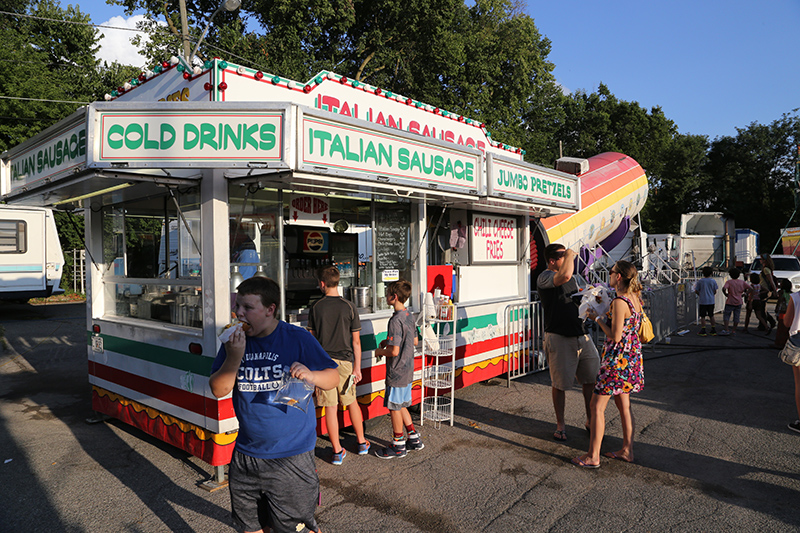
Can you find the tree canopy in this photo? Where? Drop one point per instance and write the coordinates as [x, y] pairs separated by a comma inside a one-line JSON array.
[[484, 59], [50, 67], [752, 177]]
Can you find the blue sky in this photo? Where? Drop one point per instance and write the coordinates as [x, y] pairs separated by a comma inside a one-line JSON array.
[[711, 65]]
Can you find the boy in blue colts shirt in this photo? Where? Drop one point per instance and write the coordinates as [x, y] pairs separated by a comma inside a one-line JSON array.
[[272, 474], [398, 348], [706, 289]]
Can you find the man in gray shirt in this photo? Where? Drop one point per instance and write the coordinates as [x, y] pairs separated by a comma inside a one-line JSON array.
[[570, 351]]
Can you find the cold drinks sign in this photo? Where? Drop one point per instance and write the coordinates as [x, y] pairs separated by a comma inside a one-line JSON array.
[[493, 239], [164, 136]]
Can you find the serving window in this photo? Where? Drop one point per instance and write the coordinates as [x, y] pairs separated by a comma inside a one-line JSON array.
[[152, 258], [367, 237]]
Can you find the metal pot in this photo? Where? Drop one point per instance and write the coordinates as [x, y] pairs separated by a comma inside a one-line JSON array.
[[360, 296]]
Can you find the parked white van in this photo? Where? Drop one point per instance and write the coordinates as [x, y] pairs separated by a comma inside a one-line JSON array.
[[31, 260]]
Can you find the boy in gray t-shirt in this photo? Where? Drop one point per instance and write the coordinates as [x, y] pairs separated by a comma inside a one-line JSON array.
[[335, 323], [398, 348]]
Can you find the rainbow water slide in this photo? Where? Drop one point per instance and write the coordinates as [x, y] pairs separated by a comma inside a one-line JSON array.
[[613, 191]]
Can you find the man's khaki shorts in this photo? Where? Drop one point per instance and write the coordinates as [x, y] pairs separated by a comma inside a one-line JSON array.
[[334, 397], [571, 358]]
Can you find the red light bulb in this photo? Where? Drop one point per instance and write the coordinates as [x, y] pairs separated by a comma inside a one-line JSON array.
[[222, 86]]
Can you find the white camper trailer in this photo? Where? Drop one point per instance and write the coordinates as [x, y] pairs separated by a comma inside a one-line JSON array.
[[31, 261]]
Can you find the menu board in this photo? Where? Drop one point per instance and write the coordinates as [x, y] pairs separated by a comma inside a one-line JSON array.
[[391, 238]]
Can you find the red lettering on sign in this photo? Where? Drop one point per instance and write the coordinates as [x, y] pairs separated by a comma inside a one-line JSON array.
[[330, 102], [302, 204], [494, 249], [504, 228], [320, 206]]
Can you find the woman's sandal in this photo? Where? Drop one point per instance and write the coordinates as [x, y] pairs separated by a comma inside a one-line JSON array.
[[615, 455], [583, 464], [560, 435]]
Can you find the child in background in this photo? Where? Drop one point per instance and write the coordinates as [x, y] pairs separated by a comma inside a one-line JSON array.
[[784, 295], [748, 298], [733, 290], [706, 289], [335, 323], [759, 305], [398, 348]]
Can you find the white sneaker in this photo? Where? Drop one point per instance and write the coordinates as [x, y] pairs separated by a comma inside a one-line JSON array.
[[724, 332]]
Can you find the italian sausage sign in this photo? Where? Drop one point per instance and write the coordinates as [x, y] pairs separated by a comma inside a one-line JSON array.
[[493, 239]]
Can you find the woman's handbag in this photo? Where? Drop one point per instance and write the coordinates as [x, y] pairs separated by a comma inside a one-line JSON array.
[[790, 354], [646, 329]]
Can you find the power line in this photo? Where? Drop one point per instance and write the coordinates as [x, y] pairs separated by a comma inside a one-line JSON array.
[[43, 100], [27, 120], [46, 63], [156, 30], [37, 17]]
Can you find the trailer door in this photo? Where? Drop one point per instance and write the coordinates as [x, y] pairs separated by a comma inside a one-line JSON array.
[[22, 261]]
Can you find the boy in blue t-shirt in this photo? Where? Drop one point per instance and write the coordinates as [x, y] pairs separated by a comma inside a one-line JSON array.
[[398, 348], [706, 289], [272, 475]]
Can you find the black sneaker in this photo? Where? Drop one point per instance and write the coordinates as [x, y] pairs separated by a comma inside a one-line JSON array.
[[795, 426], [390, 452], [702, 332], [713, 331], [414, 442]]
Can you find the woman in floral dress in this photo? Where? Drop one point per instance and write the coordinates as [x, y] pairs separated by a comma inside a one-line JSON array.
[[621, 371]]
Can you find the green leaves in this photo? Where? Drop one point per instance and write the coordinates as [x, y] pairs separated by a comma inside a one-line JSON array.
[[49, 68]]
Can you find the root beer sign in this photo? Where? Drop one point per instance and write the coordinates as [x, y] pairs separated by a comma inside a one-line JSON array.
[[493, 239]]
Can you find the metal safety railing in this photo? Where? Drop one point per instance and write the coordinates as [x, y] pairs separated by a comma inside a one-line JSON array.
[[523, 339], [670, 308]]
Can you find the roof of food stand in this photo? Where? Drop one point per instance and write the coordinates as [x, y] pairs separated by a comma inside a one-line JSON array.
[[167, 125]]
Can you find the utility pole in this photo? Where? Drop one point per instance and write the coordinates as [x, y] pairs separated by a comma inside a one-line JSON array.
[[185, 32]]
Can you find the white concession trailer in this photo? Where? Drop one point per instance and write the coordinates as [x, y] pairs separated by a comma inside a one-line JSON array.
[[191, 180]]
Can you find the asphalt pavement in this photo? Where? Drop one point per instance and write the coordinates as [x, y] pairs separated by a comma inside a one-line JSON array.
[[713, 452]]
